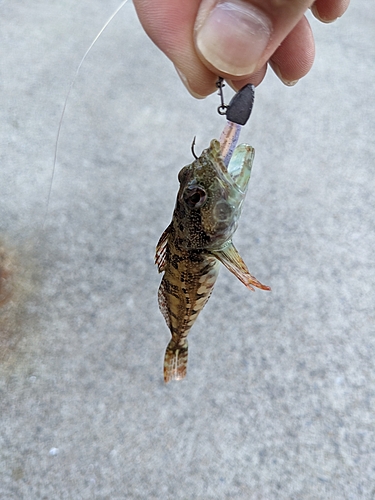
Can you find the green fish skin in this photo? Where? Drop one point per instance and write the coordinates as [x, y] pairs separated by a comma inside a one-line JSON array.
[[208, 207]]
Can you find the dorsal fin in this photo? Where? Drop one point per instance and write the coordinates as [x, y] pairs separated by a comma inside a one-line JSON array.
[[161, 250]]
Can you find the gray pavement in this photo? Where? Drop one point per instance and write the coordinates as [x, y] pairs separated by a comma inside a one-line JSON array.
[[279, 401]]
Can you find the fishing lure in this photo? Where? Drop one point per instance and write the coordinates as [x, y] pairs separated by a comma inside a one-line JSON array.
[[208, 208]]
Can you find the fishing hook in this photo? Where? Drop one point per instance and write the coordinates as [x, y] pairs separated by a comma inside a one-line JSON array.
[[192, 148]]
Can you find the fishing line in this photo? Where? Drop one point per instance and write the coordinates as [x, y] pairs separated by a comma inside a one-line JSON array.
[[66, 102]]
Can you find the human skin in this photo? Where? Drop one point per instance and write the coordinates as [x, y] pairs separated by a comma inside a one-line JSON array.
[[235, 39]]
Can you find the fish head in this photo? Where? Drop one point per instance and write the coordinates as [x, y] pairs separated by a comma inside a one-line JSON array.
[[209, 201]]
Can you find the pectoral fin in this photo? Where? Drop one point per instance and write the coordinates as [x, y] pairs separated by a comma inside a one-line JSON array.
[[232, 260]]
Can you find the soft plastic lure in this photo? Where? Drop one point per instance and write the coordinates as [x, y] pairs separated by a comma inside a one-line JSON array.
[[206, 215]]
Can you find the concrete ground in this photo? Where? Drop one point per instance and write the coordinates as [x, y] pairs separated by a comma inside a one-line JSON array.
[[279, 401]]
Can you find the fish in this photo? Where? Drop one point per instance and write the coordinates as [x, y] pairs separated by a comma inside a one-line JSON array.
[[199, 238]]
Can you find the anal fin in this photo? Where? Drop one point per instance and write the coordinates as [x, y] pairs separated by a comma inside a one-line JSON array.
[[163, 302]]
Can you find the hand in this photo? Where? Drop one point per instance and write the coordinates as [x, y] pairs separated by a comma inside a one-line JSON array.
[[235, 38]]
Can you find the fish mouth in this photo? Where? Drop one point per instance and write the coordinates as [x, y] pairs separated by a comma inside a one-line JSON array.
[[237, 160], [234, 163], [240, 165]]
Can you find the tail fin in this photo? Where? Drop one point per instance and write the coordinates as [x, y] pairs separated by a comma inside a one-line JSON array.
[[175, 361]]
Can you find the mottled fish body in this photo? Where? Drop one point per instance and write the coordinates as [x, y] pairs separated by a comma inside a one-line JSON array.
[[208, 207]]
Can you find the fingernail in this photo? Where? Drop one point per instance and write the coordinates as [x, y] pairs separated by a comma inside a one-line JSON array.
[[185, 81], [276, 69], [316, 14], [233, 37]]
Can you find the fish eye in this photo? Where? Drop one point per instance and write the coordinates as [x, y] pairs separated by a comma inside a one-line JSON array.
[[195, 197]]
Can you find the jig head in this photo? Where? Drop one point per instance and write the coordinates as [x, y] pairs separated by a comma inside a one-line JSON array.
[[238, 112]]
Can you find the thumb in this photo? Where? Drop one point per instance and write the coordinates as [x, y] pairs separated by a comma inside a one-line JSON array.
[[237, 37]]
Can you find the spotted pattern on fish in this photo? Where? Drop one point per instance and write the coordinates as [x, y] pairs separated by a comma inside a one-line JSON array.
[[183, 292], [190, 250]]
